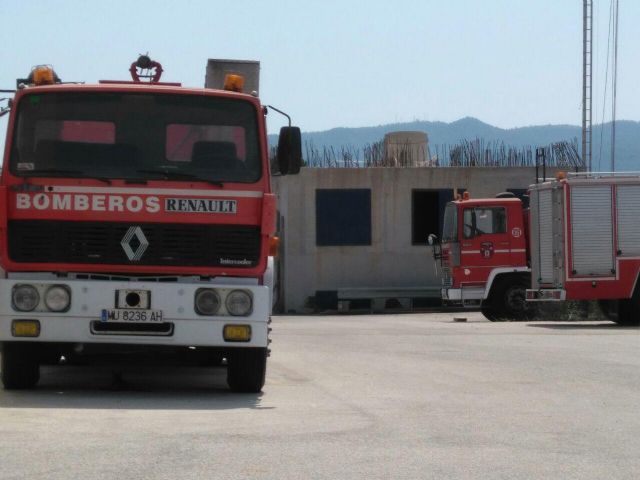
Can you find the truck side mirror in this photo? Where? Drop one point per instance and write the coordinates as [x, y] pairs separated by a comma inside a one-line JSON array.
[[289, 154], [433, 241]]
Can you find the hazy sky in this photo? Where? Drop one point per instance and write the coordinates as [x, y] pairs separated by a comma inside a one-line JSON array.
[[344, 63]]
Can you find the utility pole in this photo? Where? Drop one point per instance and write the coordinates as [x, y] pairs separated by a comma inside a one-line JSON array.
[[614, 82], [587, 86]]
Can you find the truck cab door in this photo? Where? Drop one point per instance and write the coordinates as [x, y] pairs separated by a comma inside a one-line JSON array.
[[485, 241]]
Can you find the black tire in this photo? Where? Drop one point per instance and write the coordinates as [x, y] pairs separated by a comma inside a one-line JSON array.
[[628, 311], [510, 302], [609, 309], [20, 367], [246, 369], [489, 313]]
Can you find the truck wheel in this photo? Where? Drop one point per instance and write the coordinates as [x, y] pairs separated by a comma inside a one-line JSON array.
[[511, 302], [628, 312], [20, 367], [489, 313], [246, 370], [609, 309]]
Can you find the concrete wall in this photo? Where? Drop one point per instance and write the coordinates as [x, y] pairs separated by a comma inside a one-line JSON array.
[[391, 260]]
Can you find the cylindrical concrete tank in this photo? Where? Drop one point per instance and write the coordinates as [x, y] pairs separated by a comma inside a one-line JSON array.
[[406, 149]]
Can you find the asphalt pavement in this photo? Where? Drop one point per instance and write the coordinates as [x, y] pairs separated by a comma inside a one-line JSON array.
[[414, 396]]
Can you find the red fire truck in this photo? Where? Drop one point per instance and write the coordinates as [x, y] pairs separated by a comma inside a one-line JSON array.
[[579, 240], [136, 219], [484, 256]]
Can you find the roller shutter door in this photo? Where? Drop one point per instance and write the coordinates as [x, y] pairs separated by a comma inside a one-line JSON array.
[[545, 225], [591, 230], [628, 200]]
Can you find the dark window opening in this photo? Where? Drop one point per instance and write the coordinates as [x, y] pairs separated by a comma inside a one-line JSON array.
[[343, 217], [427, 208]]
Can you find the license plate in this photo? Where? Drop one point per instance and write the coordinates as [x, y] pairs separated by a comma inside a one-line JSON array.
[[124, 315]]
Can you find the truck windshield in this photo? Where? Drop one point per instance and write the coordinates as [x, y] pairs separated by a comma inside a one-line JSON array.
[[136, 136], [450, 226]]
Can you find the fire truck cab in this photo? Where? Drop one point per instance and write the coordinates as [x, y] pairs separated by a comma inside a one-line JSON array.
[[136, 221], [483, 255]]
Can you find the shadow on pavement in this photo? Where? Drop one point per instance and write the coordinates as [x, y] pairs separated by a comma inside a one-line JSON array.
[[583, 326], [166, 388]]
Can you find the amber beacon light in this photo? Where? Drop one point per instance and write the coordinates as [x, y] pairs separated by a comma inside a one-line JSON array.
[[43, 75], [233, 82]]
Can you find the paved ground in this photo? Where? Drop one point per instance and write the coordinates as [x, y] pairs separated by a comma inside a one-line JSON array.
[[347, 397]]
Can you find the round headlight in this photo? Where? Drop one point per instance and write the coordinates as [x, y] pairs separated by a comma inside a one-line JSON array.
[[239, 303], [207, 301], [57, 298], [25, 298]]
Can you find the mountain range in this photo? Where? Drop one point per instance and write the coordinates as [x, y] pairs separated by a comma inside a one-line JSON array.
[[443, 134]]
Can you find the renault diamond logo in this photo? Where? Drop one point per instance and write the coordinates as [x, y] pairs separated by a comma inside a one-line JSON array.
[[141, 243]]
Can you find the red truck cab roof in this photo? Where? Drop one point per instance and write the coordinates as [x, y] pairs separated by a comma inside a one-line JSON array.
[[471, 202]]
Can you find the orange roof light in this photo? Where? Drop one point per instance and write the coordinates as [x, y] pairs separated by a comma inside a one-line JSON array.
[[561, 175], [43, 75], [466, 196], [233, 82]]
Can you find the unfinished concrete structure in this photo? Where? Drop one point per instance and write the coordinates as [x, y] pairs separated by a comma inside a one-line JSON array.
[[217, 69], [354, 235], [406, 149]]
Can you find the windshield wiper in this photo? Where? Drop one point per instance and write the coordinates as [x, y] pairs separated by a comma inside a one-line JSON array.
[[60, 172], [171, 175]]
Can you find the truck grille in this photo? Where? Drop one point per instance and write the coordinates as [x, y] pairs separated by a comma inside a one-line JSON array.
[[38, 241]]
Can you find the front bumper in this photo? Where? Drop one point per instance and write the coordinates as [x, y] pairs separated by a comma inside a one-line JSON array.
[[83, 322], [459, 296]]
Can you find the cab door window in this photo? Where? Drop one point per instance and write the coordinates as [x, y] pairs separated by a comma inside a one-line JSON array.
[[484, 221]]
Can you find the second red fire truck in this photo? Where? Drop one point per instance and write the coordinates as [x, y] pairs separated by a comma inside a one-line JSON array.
[[579, 240]]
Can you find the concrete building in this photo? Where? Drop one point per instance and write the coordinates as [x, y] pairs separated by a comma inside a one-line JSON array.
[[359, 234]]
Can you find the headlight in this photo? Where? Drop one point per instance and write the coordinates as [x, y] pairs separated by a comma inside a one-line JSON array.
[[57, 298], [207, 301], [239, 303], [25, 298]]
